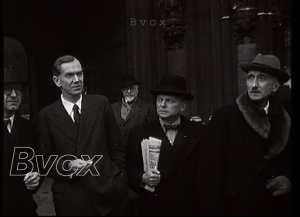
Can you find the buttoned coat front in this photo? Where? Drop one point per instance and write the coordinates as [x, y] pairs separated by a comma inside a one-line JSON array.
[[176, 193], [141, 113], [98, 134]]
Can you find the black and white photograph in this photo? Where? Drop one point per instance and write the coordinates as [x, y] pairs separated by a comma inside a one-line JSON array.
[[147, 107]]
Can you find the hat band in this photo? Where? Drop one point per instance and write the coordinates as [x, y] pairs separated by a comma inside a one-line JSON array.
[[259, 64]]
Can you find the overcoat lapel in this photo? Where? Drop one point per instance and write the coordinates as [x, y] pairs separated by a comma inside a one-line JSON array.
[[63, 122], [87, 121]]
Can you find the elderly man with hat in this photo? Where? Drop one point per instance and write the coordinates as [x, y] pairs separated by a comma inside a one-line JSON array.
[[246, 155], [18, 183], [131, 110], [174, 179]]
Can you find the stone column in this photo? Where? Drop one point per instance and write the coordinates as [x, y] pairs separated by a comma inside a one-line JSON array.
[[173, 32]]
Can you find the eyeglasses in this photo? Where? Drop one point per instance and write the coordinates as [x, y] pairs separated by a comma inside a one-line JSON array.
[[8, 91], [131, 89]]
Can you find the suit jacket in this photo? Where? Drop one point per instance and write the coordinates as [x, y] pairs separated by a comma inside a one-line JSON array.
[[177, 193], [235, 170], [98, 134], [17, 200], [141, 113]]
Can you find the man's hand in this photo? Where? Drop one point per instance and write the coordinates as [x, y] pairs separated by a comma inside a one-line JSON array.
[[80, 165], [31, 180], [279, 185], [151, 178]]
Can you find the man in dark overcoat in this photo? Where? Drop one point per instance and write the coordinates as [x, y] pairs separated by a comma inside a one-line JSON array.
[[131, 111], [246, 156], [174, 179], [20, 179], [81, 130]]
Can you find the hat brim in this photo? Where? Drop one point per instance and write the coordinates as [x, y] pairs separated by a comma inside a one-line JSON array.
[[17, 81], [173, 93], [282, 76], [129, 84]]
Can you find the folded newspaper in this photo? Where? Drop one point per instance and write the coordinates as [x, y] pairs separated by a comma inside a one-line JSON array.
[[150, 151]]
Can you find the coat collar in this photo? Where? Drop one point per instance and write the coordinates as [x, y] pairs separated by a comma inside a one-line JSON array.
[[260, 123]]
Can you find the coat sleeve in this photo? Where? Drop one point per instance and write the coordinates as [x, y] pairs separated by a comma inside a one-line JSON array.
[[46, 151], [115, 145], [134, 159]]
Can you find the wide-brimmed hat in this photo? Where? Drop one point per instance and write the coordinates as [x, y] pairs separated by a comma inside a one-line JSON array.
[[266, 63], [173, 85], [11, 75], [127, 81]]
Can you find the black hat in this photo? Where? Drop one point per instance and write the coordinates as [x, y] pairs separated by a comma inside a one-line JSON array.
[[127, 81], [266, 63], [173, 85], [11, 75]]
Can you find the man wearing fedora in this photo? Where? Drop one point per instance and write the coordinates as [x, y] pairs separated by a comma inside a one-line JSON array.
[[246, 157], [175, 178], [18, 132]]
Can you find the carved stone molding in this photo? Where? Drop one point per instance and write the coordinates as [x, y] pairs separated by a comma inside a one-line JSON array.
[[245, 20], [174, 29]]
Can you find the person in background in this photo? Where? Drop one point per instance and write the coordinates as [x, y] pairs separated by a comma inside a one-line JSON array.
[[19, 137], [82, 130], [131, 111], [246, 154], [174, 179]]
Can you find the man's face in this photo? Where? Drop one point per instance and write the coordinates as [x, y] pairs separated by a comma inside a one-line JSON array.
[[169, 107], [12, 97], [261, 85], [130, 93], [70, 79]]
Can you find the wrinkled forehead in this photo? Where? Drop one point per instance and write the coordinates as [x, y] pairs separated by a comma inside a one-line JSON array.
[[74, 66], [259, 73]]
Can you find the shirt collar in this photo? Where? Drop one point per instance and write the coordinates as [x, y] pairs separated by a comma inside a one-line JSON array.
[[69, 105], [163, 122], [266, 108], [11, 121]]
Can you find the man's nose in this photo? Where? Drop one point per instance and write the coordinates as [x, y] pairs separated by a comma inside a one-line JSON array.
[[255, 83], [75, 78], [13, 93], [163, 103]]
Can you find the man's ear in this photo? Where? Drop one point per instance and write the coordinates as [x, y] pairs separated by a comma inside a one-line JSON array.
[[183, 106], [56, 80], [276, 86]]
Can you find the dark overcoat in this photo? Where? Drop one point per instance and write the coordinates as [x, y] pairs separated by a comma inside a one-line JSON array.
[[98, 134], [239, 157], [141, 113], [176, 193], [16, 199]]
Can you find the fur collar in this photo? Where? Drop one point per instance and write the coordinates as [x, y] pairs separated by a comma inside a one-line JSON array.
[[260, 123]]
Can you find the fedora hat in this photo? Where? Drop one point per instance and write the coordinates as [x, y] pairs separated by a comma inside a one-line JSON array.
[[266, 63], [11, 75], [173, 85], [127, 81]]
